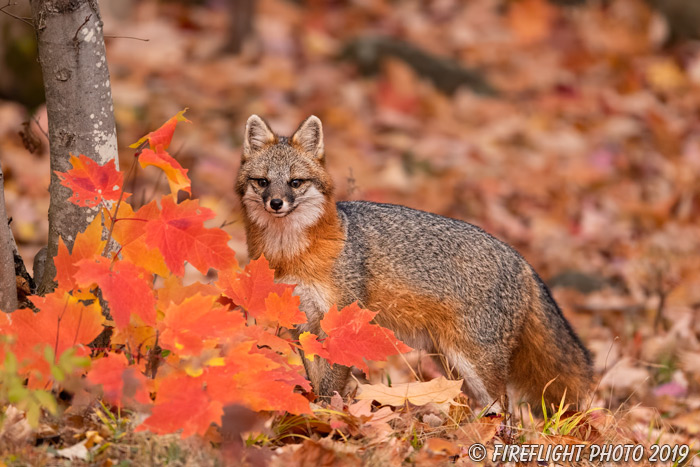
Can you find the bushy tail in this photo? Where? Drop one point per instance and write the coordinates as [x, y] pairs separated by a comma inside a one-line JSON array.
[[549, 350]]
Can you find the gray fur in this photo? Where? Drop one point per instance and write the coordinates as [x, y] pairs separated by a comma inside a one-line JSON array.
[[444, 258]]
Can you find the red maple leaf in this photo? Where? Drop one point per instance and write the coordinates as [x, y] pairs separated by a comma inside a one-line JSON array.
[[258, 379], [251, 288], [62, 322], [352, 339], [182, 402], [127, 288], [121, 383], [161, 137], [91, 182], [180, 235]]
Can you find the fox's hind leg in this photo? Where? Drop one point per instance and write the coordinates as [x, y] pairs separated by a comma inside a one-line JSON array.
[[484, 379]]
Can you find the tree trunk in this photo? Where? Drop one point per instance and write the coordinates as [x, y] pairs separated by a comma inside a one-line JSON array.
[[79, 105], [8, 284]]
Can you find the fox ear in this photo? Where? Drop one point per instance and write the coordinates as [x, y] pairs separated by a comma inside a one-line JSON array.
[[257, 135], [309, 137]]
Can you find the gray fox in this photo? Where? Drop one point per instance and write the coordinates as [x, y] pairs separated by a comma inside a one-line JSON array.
[[440, 284]]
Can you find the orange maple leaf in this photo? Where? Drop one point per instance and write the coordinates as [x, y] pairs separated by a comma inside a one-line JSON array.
[[312, 347], [91, 182], [265, 338], [173, 291], [121, 383], [189, 325], [129, 232], [127, 288], [282, 310], [174, 172], [180, 235], [62, 323], [88, 244], [161, 137], [251, 288], [183, 402]]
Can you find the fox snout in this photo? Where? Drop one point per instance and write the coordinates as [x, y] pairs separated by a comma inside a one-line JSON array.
[[278, 203]]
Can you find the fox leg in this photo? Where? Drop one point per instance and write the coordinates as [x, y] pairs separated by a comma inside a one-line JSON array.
[[484, 379], [325, 378], [334, 379]]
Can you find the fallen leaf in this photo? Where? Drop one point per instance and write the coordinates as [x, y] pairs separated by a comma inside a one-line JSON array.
[[438, 391], [77, 451]]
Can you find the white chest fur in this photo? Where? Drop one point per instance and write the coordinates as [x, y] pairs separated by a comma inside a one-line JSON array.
[[315, 300]]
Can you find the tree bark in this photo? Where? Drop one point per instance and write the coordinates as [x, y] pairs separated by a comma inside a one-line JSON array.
[[8, 282], [79, 104]]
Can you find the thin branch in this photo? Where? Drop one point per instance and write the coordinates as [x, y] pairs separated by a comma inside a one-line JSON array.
[[87, 18], [36, 120], [126, 37], [24, 20]]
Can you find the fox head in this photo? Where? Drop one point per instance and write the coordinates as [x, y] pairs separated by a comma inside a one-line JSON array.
[[282, 181]]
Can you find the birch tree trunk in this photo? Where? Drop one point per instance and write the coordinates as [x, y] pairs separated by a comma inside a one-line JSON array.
[[79, 104]]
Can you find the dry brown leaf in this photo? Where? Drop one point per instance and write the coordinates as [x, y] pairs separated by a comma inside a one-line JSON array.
[[437, 391], [15, 429], [77, 451]]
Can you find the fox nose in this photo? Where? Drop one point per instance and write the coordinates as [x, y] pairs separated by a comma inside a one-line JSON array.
[[276, 204]]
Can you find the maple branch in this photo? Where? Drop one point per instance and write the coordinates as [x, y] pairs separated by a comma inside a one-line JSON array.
[[58, 329], [113, 218]]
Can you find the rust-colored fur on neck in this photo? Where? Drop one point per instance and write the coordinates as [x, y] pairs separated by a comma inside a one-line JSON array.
[[314, 264]]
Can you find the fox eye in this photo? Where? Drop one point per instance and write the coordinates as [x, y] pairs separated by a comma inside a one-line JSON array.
[[262, 182], [296, 183]]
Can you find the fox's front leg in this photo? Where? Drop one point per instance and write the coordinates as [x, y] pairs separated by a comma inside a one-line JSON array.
[[325, 378]]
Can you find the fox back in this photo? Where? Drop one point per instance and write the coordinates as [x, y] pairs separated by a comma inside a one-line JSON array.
[[440, 284]]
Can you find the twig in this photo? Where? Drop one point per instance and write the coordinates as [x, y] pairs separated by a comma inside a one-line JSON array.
[[24, 20], [87, 18], [36, 120], [127, 37]]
